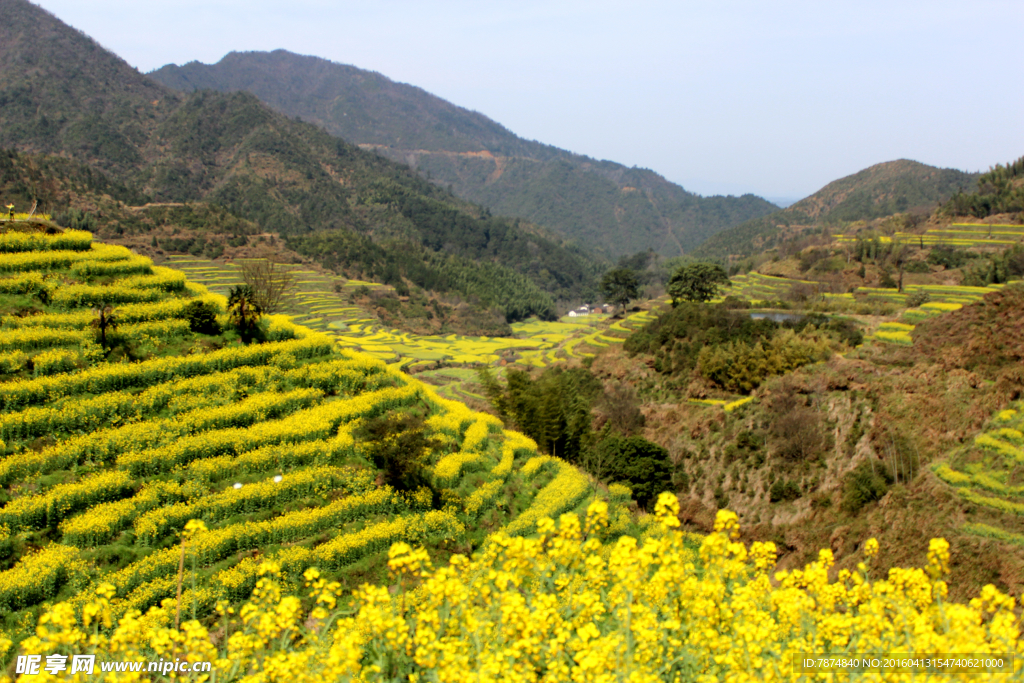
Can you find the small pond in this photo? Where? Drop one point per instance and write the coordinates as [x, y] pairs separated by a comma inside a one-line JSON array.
[[777, 316]]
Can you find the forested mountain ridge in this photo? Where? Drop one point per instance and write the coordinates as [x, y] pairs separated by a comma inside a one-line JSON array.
[[61, 92], [999, 190], [599, 204], [884, 189], [67, 96]]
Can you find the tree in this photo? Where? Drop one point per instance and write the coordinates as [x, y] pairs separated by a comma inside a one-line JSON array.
[[620, 285], [696, 282], [269, 282], [398, 446], [640, 464], [202, 317], [244, 310], [105, 321]]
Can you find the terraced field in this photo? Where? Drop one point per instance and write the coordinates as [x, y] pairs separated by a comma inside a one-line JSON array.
[[106, 462], [758, 289], [967, 235], [989, 477], [316, 304], [754, 286]]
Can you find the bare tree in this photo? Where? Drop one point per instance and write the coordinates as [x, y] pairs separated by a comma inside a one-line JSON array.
[[270, 283]]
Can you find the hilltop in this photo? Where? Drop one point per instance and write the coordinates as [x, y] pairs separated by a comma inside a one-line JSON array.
[[329, 200], [901, 186], [599, 204]]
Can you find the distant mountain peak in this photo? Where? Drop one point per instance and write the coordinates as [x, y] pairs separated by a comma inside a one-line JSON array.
[[880, 190], [581, 198]]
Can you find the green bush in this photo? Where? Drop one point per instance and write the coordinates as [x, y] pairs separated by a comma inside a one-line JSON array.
[[202, 317], [784, 490], [917, 267], [917, 298], [643, 466], [864, 485]]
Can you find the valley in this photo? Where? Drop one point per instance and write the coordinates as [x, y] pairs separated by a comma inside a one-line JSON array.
[[307, 374]]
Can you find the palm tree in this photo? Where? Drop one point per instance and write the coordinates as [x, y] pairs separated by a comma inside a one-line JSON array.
[[245, 312]]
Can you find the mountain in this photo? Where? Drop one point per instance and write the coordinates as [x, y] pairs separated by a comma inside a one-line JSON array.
[[62, 94], [999, 191], [881, 190], [599, 204]]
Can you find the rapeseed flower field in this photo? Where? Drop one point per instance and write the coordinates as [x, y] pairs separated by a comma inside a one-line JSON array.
[[566, 604], [234, 476]]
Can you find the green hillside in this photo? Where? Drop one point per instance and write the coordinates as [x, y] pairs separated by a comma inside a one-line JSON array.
[[292, 447], [892, 187], [281, 175], [1000, 190], [599, 204]]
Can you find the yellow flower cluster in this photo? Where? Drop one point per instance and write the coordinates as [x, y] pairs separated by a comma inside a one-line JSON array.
[[125, 314], [564, 492], [450, 466], [37, 576], [52, 361], [28, 339], [563, 606], [189, 398], [49, 508], [133, 265], [340, 551], [163, 329], [1013, 453], [483, 495], [309, 424], [249, 498], [941, 306], [534, 464], [195, 394], [100, 523], [282, 456], [22, 284], [62, 260], [165, 279], [216, 544], [82, 296], [514, 443], [118, 376], [733, 405], [12, 361], [71, 240]]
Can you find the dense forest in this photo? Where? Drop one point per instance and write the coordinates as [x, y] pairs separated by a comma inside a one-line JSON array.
[[699, 346], [253, 170], [1000, 190]]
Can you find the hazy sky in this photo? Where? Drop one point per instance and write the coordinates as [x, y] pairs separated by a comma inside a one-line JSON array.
[[722, 97]]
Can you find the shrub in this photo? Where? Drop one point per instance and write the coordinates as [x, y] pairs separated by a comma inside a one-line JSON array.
[[202, 317], [643, 466], [795, 426], [864, 485], [398, 446], [917, 267], [784, 490]]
